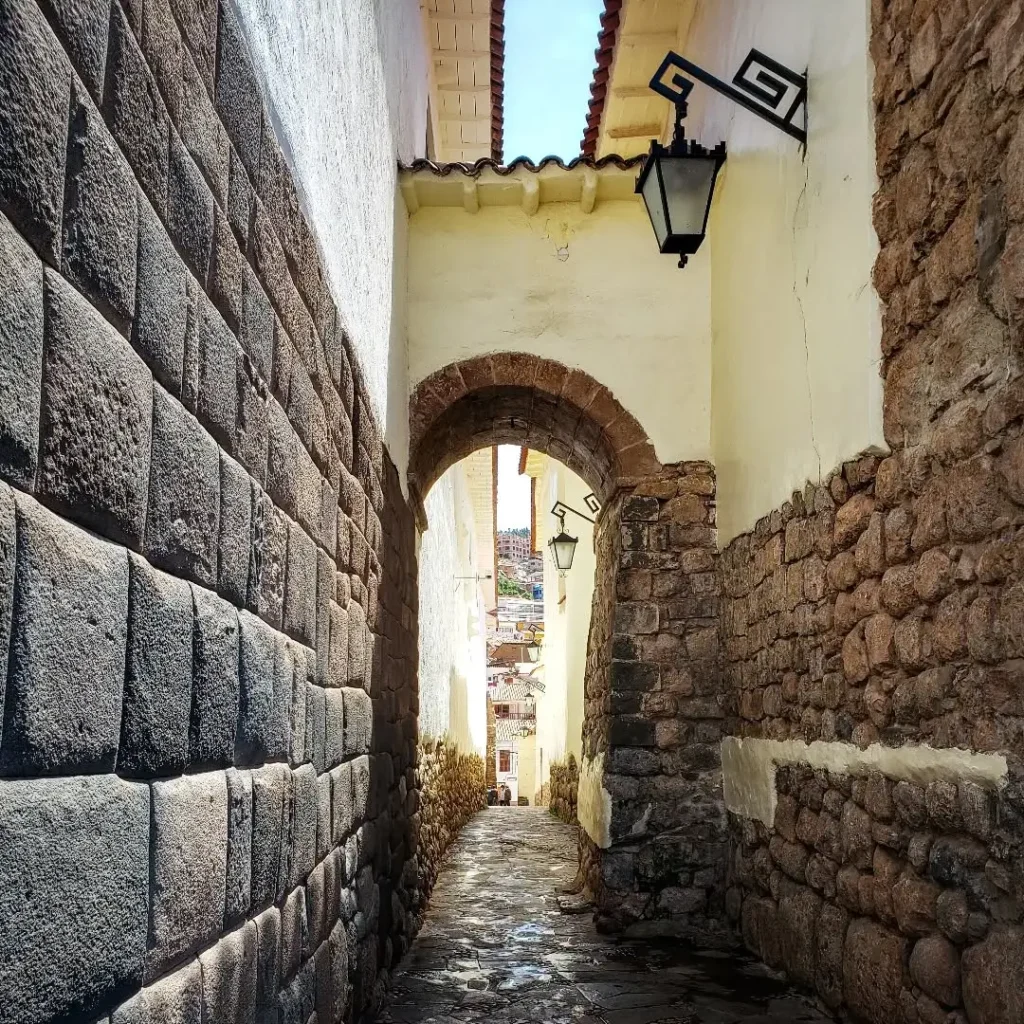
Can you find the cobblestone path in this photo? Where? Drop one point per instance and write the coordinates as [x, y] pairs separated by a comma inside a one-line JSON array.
[[496, 947]]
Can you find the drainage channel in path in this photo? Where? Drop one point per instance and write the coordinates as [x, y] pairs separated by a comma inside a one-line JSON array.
[[497, 947]]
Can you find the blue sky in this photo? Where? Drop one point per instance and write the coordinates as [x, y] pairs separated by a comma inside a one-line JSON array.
[[549, 62]]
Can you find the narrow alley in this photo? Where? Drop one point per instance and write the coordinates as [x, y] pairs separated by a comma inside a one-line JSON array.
[[496, 947], [611, 410]]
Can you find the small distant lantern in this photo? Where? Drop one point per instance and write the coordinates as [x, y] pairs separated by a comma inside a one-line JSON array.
[[533, 648], [563, 547], [678, 183]]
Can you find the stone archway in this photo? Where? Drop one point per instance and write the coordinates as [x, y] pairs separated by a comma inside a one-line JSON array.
[[524, 399], [655, 845]]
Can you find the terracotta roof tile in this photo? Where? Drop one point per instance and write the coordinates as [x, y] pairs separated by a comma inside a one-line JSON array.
[[509, 692], [506, 730], [488, 163], [604, 53]]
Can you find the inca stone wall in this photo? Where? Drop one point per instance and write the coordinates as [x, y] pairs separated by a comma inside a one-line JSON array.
[[207, 569], [886, 606], [565, 781], [658, 708], [451, 791]]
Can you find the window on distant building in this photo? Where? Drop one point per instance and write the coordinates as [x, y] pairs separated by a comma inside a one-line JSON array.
[[504, 760]]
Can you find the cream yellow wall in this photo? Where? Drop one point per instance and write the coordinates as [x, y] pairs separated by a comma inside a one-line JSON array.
[[527, 784], [566, 622], [579, 596], [588, 290], [796, 327]]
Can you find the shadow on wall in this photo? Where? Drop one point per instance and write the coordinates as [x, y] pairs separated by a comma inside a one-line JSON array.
[[458, 704]]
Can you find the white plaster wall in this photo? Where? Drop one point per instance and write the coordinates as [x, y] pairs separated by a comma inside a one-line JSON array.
[[347, 82], [566, 622], [452, 633], [588, 290], [527, 781], [796, 325]]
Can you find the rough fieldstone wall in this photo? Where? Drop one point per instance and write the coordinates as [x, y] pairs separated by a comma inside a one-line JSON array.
[[490, 755], [664, 872], [887, 604], [895, 900], [565, 781], [207, 569], [451, 791]]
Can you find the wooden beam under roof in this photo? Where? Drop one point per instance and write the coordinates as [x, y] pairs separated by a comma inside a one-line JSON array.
[[478, 19], [633, 92], [635, 131], [468, 90], [440, 54], [666, 39]]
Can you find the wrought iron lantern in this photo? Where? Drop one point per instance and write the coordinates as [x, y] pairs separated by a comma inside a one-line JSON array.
[[562, 546], [533, 648], [678, 181]]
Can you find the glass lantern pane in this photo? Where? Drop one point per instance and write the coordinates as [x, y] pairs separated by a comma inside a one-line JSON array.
[[563, 547], [655, 205], [688, 183]]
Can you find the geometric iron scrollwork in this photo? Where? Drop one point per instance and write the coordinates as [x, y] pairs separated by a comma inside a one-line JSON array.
[[763, 86], [560, 509]]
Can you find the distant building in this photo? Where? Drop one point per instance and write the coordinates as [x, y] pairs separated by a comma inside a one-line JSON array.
[[515, 737], [513, 545]]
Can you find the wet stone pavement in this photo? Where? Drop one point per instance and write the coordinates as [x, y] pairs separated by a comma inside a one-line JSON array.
[[496, 947]]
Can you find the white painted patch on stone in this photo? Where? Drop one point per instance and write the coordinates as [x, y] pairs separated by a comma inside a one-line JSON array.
[[748, 767], [594, 802]]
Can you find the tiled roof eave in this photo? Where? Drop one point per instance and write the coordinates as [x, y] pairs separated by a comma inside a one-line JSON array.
[[473, 170], [604, 54]]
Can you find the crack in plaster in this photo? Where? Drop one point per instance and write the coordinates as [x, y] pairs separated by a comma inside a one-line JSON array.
[[803, 319]]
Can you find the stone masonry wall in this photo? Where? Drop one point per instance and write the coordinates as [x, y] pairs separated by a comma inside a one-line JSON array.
[[664, 871], [451, 791], [207, 569], [490, 755], [886, 605], [565, 781], [893, 900]]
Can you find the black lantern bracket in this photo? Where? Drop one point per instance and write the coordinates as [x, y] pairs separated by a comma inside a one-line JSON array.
[[560, 509], [763, 86]]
